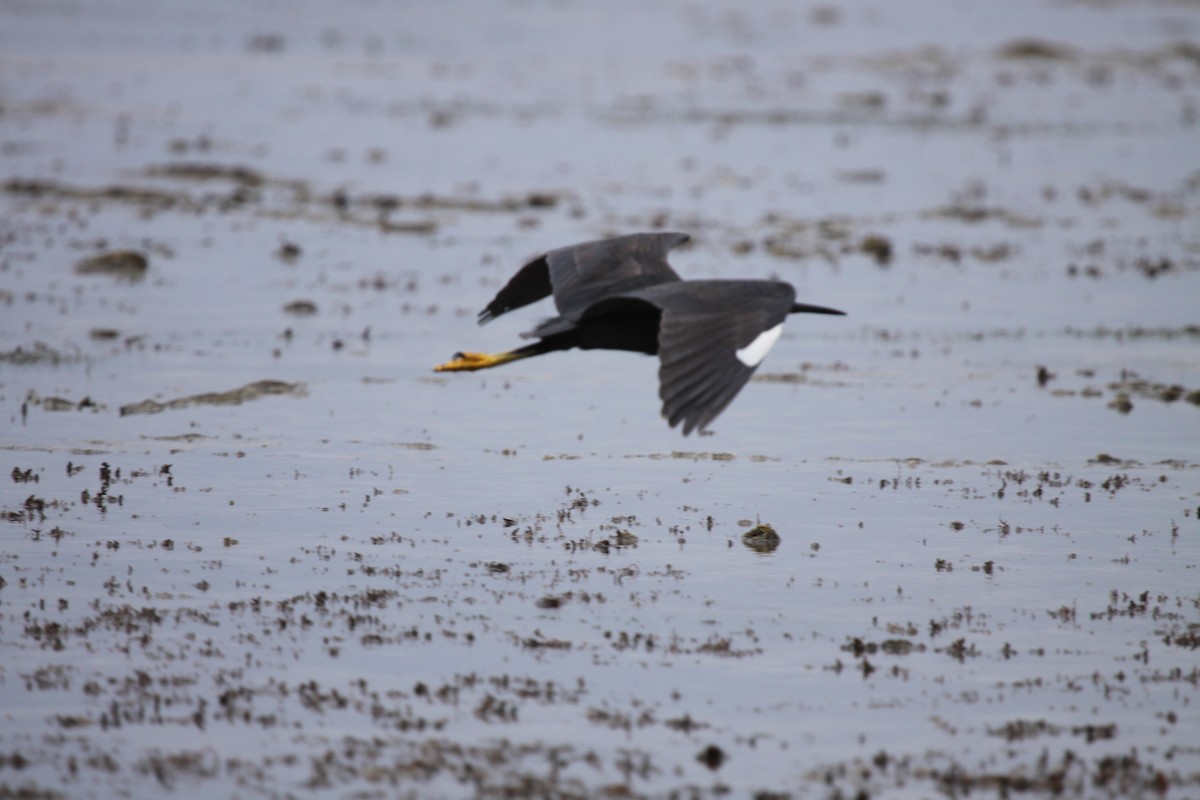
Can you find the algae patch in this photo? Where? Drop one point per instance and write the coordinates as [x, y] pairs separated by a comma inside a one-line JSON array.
[[233, 397], [125, 264]]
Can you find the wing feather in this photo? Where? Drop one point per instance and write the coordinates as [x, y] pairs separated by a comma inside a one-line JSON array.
[[707, 397], [704, 324], [530, 284], [586, 273]]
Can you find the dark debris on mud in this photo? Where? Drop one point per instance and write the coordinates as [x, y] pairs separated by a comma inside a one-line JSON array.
[[198, 658], [251, 192], [232, 397]]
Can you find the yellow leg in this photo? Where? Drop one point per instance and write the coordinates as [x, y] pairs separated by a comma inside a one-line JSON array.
[[469, 362]]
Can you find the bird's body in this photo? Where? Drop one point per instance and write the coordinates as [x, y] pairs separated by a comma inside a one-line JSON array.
[[621, 294]]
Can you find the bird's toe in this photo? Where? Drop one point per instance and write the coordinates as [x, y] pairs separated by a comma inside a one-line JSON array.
[[466, 362]]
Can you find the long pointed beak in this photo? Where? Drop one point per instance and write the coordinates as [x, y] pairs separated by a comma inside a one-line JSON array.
[[805, 308]]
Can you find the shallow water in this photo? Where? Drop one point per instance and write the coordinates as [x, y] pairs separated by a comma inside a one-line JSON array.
[[375, 580]]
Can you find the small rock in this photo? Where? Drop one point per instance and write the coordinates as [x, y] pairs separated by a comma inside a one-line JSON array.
[[1121, 403], [300, 308], [712, 757], [761, 538]]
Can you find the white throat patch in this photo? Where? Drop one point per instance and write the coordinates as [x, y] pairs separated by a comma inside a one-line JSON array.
[[752, 354]]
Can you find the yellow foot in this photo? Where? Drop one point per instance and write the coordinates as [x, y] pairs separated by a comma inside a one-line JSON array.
[[470, 361]]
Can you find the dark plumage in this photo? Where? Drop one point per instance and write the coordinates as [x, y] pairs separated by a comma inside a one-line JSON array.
[[621, 294]]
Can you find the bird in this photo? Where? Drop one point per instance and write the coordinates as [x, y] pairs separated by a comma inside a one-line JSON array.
[[621, 294]]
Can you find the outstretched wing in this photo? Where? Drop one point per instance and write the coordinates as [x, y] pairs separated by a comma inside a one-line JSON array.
[[712, 336], [583, 274]]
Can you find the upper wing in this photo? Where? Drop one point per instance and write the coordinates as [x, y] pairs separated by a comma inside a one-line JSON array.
[[712, 336], [583, 274]]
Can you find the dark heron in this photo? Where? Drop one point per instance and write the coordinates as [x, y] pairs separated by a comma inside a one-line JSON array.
[[621, 294]]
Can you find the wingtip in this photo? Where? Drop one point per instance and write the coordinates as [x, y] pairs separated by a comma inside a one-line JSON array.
[[691, 419], [679, 238]]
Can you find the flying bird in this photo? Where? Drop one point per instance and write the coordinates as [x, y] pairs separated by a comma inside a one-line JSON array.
[[621, 294]]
